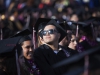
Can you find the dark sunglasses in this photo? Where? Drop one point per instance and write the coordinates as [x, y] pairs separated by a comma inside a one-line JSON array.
[[51, 31]]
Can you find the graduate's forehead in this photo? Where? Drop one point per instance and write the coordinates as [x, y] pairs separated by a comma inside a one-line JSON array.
[[50, 26], [27, 43]]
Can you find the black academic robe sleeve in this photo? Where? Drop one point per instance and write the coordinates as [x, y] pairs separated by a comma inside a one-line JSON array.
[[85, 45], [40, 60]]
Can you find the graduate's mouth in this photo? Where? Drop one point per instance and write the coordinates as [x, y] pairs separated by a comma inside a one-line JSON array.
[[30, 54], [48, 37]]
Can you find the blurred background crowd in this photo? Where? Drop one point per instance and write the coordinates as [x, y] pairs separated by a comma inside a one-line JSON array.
[[17, 14]]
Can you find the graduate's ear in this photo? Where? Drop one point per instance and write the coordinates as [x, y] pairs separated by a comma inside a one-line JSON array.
[[41, 39]]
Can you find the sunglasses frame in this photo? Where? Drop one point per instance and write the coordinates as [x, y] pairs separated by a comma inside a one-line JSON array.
[[48, 31]]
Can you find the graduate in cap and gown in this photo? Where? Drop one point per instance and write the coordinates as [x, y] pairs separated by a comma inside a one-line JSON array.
[[87, 39], [69, 41], [26, 60], [50, 52]]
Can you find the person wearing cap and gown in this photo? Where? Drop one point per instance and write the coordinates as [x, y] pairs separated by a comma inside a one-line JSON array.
[[26, 57], [51, 52], [9, 61], [87, 39], [69, 41], [72, 44], [26, 60], [17, 64]]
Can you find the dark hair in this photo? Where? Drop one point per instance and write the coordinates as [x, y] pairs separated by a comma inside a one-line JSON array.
[[40, 28], [24, 38], [23, 66], [69, 36]]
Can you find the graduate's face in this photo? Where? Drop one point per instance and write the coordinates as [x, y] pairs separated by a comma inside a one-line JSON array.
[[73, 42], [50, 34], [27, 49]]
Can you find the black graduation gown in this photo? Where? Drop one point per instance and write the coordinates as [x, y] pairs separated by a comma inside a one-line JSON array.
[[45, 58], [72, 52]]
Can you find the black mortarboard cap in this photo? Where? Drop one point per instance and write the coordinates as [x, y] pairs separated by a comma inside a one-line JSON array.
[[88, 30], [64, 25], [81, 24], [73, 24], [23, 32], [23, 36], [40, 23], [93, 20], [7, 46], [60, 29]]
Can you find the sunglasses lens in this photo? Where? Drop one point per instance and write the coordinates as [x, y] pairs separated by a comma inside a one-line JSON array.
[[50, 31], [44, 32]]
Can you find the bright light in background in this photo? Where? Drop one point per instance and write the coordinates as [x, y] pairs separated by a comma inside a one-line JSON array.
[[12, 18], [3, 17], [86, 1]]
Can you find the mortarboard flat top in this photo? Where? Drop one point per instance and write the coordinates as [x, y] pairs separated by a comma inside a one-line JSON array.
[[64, 25], [22, 33], [88, 30], [73, 24], [8, 45], [60, 29], [93, 20], [40, 21]]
